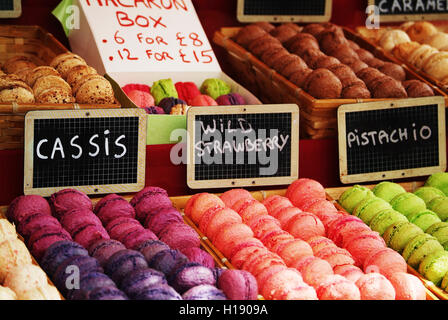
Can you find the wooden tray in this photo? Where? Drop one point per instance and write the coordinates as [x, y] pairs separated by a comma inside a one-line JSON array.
[[318, 116], [370, 35], [41, 47]]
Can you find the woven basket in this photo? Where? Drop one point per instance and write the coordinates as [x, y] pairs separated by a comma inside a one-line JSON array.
[[41, 47], [318, 117]]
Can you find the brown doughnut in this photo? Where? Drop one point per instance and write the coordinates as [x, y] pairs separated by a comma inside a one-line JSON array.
[[364, 55], [299, 77], [323, 84], [344, 73], [393, 70], [417, 88], [296, 65], [260, 45], [266, 26], [388, 87], [326, 62], [358, 65], [248, 34], [356, 91], [283, 33]]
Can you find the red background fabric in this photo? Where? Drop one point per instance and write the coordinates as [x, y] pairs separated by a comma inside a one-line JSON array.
[[318, 158]]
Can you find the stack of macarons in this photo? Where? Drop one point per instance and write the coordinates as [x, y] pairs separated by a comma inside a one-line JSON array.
[[167, 97], [402, 219], [20, 279], [434, 193]]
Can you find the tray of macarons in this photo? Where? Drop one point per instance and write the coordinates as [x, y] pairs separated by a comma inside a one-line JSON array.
[[421, 45], [21, 278], [412, 220], [319, 67], [136, 247]]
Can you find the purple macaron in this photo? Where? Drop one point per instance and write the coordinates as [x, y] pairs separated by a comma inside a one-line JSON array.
[[168, 103], [195, 254], [151, 247], [158, 292], [113, 206], [191, 275], [137, 281], [154, 110], [167, 261], [124, 262], [230, 99], [133, 239], [162, 218], [149, 200], [107, 293], [103, 249], [204, 292], [36, 221], [58, 252], [88, 283]]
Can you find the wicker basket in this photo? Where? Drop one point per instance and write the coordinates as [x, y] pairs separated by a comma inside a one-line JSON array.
[[318, 116], [41, 47]]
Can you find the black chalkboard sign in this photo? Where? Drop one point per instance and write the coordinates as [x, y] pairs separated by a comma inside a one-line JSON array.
[[284, 10], [242, 145], [404, 10], [382, 140], [96, 151], [10, 8]]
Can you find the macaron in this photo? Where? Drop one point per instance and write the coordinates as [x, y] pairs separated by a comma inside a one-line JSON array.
[[58, 252], [385, 261], [368, 208], [75, 220], [190, 275], [280, 282], [335, 256], [215, 219], [151, 247], [124, 262], [169, 102], [89, 282], [158, 292], [179, 236], [434, 266], [34, 222], [200, 256], [238, 285], [232, 196], [304, 189], [107, 293], [23, 206], [399, 234], [350, 198], [204, 292], [141, 98], [163, 89], [375, 286], [202, 203], [419, 247], [214, 88], [162, 218], [407, 286], [438, 180], [167, 261], [276, 202], [350, 272], [407, 203], [440, 206], [203, 100], [424, 219], [313, 270], [43, 238], [284, 215], [304, 226], [428, 193], [387, 190], [384, 219], [337, 287], [133, 239], [187, 90], [230, 99], [362, 245], [68, 199], [90, 234], [229, 235], [113, 206], [293, 250], [103, 249], [136, 282], [440, 232]]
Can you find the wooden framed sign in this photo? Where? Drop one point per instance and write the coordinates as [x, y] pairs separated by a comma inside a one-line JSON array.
[[284, 11], [391, 139], [95, 151], [240, 146], [10, 8], [411, 10]]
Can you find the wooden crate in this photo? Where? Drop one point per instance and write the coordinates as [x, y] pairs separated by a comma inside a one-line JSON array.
[[41, 47], [318, 116], [370, 35]]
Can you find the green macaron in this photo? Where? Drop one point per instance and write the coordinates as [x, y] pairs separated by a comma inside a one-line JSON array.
[[440, 181], [440, 206], [407, 203], [444, 284], [163, 89], [440, 232], [353, 196], [215, 88], [384, 219], [388, 190], [368, 208], [419, 247], [434, 267], [399, 234], [428, 193], [424, 219]]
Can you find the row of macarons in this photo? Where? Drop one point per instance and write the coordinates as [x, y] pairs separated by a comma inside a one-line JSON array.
[[405, 223], [285, 247], [75, 212], [20, 277], [167, 97]]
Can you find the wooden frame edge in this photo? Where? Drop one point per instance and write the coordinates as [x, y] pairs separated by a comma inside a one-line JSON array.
[[410, 17], [15, 13]]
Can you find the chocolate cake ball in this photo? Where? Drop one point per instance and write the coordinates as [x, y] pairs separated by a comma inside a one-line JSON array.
[[283, 33], [388, 87], [358, 65], [326, 62], [296, 65], [260, 45], [344, 74], [266, 26], [248, 34], [356, 91], [314, 28], [364, 55], [344, 53], [311, 56], [417, 88], [299, 77], [323, 84], [393, 70]]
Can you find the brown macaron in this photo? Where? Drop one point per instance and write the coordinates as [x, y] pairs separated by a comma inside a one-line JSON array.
[[344, 53], [330, 39], [368, 75], [323, 84], [270, 56], [393, 70], [358, 65], [248, 34], [299, 77], [311, 56], [314, 29], [266, 26], [388, 87], [326, 62], [296, 65], [265, 42], [356, 91], [375, 63], [283, 33], [364, 55], [344, 73], [417, 89]]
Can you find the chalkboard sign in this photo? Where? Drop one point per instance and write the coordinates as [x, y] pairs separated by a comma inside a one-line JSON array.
[[411, 10], [10, 8], [388, 140], [95, 151], [236, 146], [284, 10]]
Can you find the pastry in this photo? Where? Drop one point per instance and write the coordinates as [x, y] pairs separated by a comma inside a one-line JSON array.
[[364, 55], [141, 99], [344, 53], [421, 30], [284, 32], [77, 72], [7, 230], [158, 292], [190, 275], [200, 256], [238, 285], [204, 292], [403, 50], [438, 41], [387, 190], [186, 91], [214, 88], [94, 89], [313, 28], [358, 65], [113, 206], [356, 91], [39, 72], [407, 286], [385, 261], [55, 95], [387, 87], [13, 252], [167, 261], [89, 282], [311, 56], [407, 203], [419, 247], [107, 293], [393, 37], [428, 193], [179, 236], [398, 235], [437, 65], [323, 84], [424, 219], [326, 62], [384, 219]]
